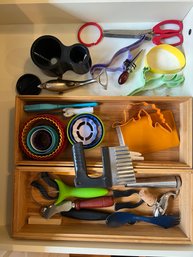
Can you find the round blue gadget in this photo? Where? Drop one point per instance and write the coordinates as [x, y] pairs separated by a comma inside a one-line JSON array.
[[42, 140], [86, 128]]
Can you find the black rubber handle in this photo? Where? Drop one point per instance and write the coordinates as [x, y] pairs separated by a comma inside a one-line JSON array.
[[86, 214], [128, 205], [42, 190], [45, 176]]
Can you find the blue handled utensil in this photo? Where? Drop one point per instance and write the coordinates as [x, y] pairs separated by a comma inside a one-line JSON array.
[[48, 107], [118, 219]]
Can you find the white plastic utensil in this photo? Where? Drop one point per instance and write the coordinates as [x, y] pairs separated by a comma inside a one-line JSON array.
[[69, 112]]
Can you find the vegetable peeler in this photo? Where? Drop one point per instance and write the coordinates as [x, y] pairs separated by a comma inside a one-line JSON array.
[[65, 191]]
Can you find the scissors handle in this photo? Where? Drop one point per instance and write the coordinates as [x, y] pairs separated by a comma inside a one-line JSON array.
[[158, 30], [157, 40], [86, 25]]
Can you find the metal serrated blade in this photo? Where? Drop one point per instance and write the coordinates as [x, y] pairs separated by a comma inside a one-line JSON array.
[[121, 165], [49, 211]]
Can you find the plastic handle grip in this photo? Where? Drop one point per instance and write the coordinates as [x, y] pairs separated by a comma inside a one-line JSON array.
[[117, 219], [86, 214], [88, 192], [158, 40], [128, 205], [99, 202], [47, 107], [121, 193], [158, 30], [67, 191]]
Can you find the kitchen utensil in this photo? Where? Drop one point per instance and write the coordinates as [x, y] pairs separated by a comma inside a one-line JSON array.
[[27, 84], [134, 155], [117, 167], [49, 107], [62, 85], [54, 58], [128, 204], [66, 191], [62, 191], [59, 140], [42, 140], [160, 206], [152, 59], [157, 34], [158, 182], [99, 201], [46, 195], [69, 112], [151, 81], [111, 67], [118, 219], [130, 65], [121, 165], [85, 128], [86, 214], [148, 126], [66, 206]]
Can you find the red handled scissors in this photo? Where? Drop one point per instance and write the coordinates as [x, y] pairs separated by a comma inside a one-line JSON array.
[[157, 34]]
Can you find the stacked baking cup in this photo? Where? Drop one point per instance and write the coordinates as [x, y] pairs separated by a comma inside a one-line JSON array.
[[43, 137], [85, 128]]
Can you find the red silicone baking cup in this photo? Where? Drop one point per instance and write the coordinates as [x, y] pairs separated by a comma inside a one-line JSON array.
[[45, 119]]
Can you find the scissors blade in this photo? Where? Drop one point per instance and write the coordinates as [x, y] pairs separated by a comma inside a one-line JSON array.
[[127, 33]]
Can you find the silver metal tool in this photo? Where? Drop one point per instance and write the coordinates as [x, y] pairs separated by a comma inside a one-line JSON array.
[[121, 165], [49, 211], [158, 182], [117, 167], [65, 206], [160, 207], [62, 85]]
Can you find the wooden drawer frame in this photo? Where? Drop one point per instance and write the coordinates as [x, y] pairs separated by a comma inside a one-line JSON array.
[[71, 229], [181, 164], [180, 106]]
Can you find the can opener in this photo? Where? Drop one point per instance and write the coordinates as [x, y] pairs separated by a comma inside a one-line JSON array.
[[160, 207]]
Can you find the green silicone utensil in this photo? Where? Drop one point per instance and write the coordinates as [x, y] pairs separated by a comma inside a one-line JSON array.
[[68, 191], [151, 82]]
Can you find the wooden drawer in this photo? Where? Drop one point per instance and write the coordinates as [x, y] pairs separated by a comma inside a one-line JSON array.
[[78, 230], [109, 110], [27, 221]]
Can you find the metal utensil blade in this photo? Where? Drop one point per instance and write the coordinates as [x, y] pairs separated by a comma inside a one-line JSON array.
[[51, 210]]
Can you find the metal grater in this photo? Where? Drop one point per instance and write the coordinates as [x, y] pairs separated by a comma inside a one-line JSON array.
[[117, 166], [121, 165], [126, 169]]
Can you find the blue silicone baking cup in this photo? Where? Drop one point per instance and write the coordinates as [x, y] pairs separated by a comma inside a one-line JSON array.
[[86, 128], [49, 134]]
